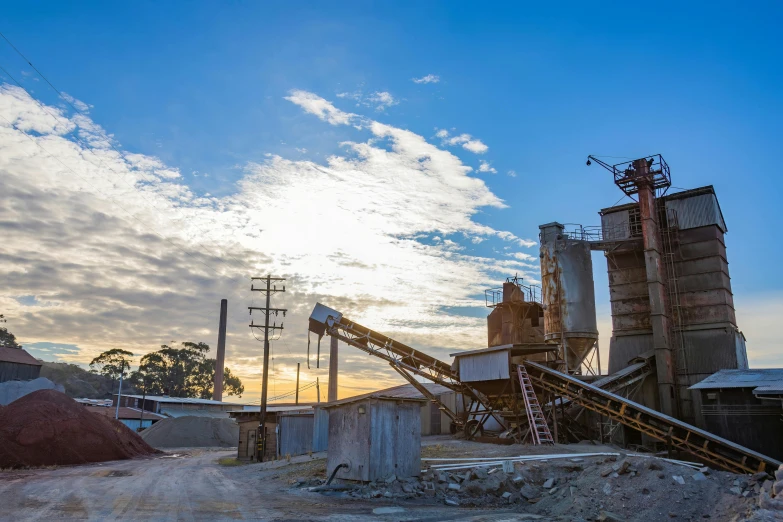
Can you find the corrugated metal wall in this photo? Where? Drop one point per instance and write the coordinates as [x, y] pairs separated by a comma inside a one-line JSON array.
[[18, 372], [615, 226], [484, 367], [320, 429], [697, 211], [134, 423], [295, 434]]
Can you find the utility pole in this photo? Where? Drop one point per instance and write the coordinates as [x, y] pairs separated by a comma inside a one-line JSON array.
[[297, 384], [269, 290], [119, 394], [317, 390]]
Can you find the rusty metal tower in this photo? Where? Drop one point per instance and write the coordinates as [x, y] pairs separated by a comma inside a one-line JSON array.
[[648, 178]]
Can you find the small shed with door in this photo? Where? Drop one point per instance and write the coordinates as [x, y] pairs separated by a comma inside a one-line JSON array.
[[374, 437], [289, 431]]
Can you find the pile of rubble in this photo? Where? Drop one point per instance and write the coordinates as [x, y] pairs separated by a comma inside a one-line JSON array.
[[621, 487]]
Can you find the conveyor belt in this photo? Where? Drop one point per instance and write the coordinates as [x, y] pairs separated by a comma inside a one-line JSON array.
[[710, 448], [408, 361], [404, 359]]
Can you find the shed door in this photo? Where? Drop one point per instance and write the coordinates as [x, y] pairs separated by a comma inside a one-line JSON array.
[[434, 419], [251, 444]]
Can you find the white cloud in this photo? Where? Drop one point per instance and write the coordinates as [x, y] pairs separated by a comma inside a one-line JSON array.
[[430, 78], [314, 104], [379, 100], [80, 229], [485, 166], [382, 100], [512, 173], [467, 141], [80, 105]]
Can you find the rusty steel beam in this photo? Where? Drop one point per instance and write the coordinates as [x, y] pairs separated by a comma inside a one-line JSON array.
[[710, 448]]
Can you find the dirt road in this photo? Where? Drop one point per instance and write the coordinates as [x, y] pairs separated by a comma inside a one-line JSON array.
[[194, 487]]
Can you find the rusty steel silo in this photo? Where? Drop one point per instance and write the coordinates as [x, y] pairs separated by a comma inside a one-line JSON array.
[[568, 294]]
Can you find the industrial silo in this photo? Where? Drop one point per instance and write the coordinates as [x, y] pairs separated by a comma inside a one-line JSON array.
[[568, 294]]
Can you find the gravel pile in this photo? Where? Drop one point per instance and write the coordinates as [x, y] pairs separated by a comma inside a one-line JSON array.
[[13, 390], [192, 432], [47, 428]]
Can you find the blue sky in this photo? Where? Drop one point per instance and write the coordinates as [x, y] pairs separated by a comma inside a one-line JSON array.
[[202, 85]]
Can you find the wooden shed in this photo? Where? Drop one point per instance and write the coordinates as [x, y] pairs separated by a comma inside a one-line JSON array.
[[289, 431], [18, 365], [374, 437]]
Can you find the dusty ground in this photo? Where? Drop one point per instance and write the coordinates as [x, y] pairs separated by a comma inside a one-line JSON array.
[[194, 486]]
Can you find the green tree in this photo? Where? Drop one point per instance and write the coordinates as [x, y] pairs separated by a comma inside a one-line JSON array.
[[204, 381], [183, 372], [112, 363], [7, 339]]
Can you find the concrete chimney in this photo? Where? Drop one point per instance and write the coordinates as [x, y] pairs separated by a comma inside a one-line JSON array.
[[217, 394], [333, 370]]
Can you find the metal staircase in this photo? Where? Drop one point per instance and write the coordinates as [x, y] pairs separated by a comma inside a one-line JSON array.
[[539, 430]]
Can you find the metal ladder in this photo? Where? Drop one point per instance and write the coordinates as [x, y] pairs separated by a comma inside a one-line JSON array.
[[539, 430]]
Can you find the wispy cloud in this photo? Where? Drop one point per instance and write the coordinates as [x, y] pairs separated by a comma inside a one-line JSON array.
[[485, 166], [467, 141], [430, 78], [379, 100], [119, 252], [512, 173], [320, 107]]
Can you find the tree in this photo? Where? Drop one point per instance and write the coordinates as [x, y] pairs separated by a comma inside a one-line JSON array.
[[183, 372], [7, 339], [204, 381], [112, 363]]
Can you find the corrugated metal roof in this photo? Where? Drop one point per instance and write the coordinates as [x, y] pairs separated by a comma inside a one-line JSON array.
[[125, 413], [403, 392], [181, 400], [18, 356], [770, 388], [181, 412], [274, 408], [741, 379]]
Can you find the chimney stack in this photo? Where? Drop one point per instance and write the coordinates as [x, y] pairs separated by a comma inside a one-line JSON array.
[[217, 394]]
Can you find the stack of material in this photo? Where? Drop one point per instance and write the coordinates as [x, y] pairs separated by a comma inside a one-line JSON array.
[[192, 432], [46, 428], [13, 390]]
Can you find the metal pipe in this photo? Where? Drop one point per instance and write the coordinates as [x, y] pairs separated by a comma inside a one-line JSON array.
[[334, 472]]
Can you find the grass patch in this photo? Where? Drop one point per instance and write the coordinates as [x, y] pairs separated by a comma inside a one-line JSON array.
[[232, 461]]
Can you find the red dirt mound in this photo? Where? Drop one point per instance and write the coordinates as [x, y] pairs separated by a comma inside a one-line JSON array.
[[46, 428]]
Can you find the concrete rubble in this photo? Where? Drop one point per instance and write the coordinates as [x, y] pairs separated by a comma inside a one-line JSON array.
[[635, 488]]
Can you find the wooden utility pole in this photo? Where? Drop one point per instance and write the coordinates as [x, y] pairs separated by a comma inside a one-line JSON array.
[[269, 290], [297, 384]]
